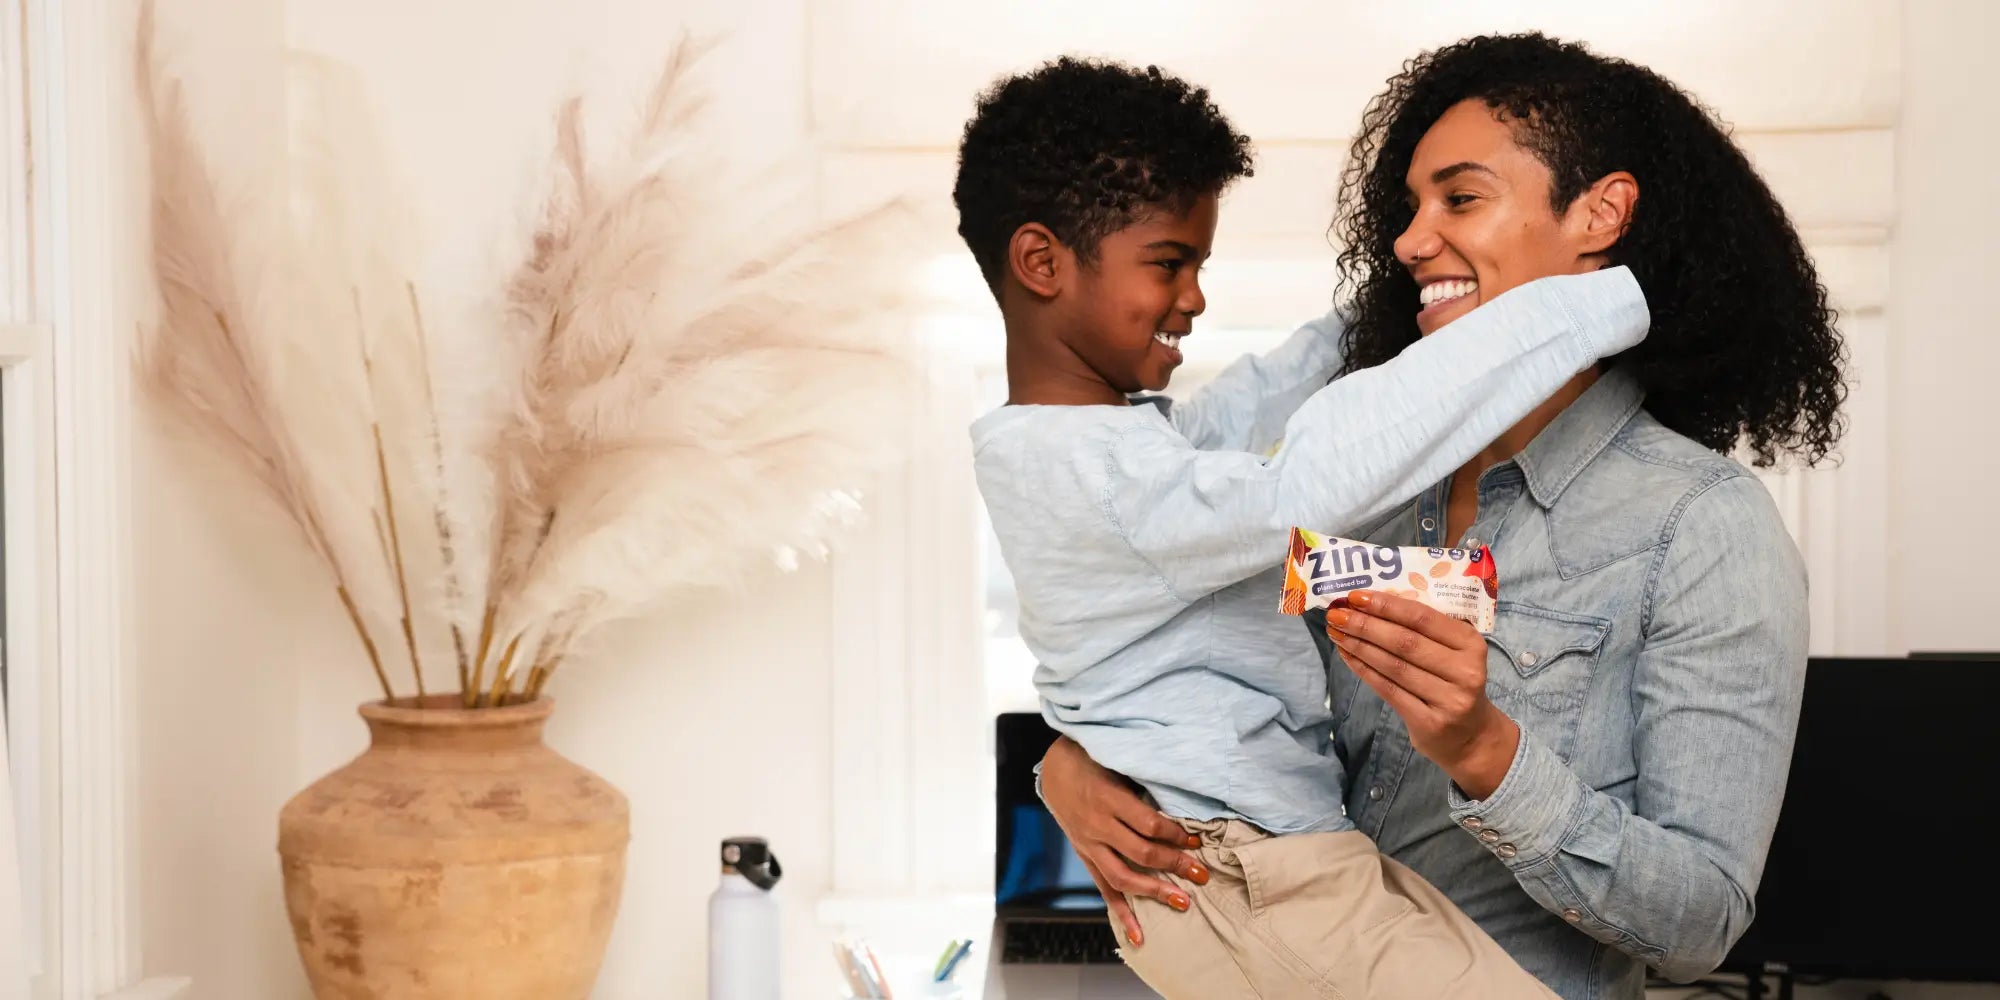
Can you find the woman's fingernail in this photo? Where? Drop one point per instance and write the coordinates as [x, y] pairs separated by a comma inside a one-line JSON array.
[[1336, 618], [1137, 938], [1197, 873], [1179, 902], [1193, 841], [1361, 599]]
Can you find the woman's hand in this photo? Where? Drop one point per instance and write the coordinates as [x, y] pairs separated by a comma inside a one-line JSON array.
[[1430, 668], [1111, 828]]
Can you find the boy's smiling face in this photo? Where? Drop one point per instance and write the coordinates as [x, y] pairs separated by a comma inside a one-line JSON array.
[[1125, 313]]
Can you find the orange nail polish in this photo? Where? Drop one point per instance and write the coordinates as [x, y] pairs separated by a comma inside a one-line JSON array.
[[1336, 618], [1198, 874], [1179, 902], [1193, 841], [1137, 939], [1361, 599]]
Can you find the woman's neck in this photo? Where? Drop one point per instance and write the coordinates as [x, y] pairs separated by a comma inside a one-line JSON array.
[[1464, 498], [1514, 440]]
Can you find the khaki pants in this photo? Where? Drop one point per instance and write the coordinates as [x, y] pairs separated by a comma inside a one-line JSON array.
[[1316, 916]]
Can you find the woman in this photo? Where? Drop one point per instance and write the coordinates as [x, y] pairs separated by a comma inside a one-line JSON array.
[[1595, 783]]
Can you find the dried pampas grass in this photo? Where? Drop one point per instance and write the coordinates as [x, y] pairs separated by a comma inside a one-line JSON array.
[[679, 381]]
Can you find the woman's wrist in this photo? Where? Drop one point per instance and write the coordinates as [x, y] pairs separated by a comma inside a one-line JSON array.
[[1053, 768], [1486, 759]]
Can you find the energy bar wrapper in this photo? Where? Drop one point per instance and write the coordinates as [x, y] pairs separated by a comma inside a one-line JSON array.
[[1321, 570]]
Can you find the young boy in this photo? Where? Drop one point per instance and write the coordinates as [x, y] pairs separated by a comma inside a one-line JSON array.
[[1146, 540]]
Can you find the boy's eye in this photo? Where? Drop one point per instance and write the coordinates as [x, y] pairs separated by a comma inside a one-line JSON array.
[[1171, 266]]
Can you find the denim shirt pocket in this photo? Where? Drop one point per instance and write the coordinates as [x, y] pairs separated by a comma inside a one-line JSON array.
[[1538, 669]]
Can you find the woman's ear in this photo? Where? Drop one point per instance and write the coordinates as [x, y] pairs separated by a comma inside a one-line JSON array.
[[1037, 259], [1607, 211]]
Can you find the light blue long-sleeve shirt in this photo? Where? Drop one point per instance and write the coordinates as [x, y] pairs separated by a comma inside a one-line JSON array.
[[1146, 546]]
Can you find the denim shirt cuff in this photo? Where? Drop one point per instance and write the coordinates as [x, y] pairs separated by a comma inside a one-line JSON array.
[[1529, 816]]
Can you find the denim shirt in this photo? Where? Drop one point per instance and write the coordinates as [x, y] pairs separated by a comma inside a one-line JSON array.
[[1651, 643]]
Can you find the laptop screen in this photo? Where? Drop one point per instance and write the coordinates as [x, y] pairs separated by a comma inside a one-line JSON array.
[[1034, 868]]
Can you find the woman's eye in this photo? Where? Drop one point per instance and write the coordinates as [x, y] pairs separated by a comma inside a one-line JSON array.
[[1460, 200]]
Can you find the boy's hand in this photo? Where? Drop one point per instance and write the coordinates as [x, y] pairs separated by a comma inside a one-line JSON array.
[[1112, 829], [1430, 668]]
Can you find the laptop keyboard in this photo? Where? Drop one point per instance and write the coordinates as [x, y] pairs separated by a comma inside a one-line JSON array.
[[1060, 942]]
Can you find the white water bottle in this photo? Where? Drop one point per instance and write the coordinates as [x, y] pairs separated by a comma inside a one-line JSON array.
[[743, 934]]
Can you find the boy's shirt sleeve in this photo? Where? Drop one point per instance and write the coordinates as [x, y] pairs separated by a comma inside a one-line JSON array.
[[1358, 448], [1243, 408]]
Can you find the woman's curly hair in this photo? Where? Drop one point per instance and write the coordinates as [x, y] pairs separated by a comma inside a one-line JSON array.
[[1743, 348], [1086, 147]]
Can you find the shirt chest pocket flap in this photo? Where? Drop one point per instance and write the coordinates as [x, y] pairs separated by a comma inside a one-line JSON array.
[[1541, 659]]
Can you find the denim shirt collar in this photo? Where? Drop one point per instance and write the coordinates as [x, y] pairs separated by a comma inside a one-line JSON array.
[[1578, 435]]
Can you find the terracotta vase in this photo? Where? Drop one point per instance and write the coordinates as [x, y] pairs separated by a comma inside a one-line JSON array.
[[457, 857]]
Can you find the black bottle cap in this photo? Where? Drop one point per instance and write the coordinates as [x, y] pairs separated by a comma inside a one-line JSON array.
[[751, 858]]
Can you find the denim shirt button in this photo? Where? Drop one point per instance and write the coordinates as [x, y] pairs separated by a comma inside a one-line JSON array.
[[1471, 543], [1374, 793], [1572, 915], [1489, 837], [1505, 851], [1529, 659], [1430, 524], [1472, 823]]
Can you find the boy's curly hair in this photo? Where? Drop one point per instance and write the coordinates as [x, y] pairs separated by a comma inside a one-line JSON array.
[[1086, 147], [1743, 347]]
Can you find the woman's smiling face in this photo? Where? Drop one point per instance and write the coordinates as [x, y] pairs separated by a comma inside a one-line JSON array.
[[1483, 223]]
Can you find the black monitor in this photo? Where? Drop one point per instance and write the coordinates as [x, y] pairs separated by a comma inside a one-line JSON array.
[[1034, 869], [1884, 865]]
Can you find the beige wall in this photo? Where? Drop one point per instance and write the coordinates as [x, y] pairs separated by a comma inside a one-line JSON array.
[[1945, 481], [228, 613], [249, 677], [250, 674]]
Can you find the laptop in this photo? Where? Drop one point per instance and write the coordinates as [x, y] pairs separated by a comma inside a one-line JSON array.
[[1051, 936]]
